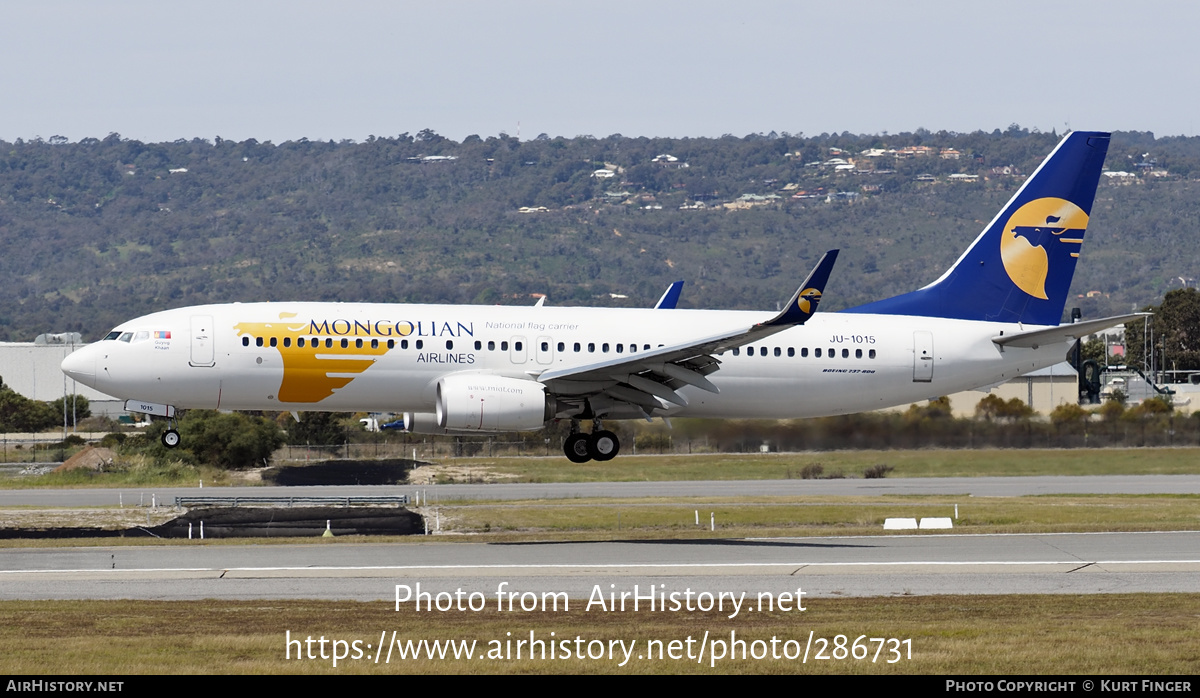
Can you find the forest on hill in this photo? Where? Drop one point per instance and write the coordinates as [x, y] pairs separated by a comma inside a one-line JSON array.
[[96, 231]]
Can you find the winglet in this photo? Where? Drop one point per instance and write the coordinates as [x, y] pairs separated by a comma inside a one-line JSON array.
[[670, 297], [804, 302]]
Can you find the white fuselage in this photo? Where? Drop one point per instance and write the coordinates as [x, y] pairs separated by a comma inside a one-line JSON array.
[[248, 356]]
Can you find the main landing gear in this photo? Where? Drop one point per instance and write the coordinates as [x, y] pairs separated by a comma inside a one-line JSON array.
[[600, 445]]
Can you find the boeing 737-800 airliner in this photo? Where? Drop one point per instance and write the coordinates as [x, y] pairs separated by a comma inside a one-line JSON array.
[[992, 316]]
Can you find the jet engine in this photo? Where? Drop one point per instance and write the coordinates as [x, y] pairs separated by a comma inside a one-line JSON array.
[[481, 402]]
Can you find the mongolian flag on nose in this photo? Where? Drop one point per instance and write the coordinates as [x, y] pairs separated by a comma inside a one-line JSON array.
[[161, 334]]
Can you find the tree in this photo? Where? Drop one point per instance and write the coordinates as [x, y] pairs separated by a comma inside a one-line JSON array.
[[317, 428], [993, 406], [233, 440], [20, 414], [1068, 413], [1175, 328], [77, 405]]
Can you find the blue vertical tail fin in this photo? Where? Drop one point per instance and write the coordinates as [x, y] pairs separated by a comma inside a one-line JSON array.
[[1019, 269]]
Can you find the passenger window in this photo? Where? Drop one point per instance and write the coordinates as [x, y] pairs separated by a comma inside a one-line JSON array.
[[391, 344], [491, 346], [871, 354], [545, 346], [737, 351], [287, 341], [591, 347], [300, 342], [562, 346], [845, 353], [420, 344], [791, 351], [329, 342], [858, 353], [449, 344], [374, 343], [576, 347], [604, 348], [620, 348], [632, 348], [258, 341], [832, 353], [762, 351], [345, 343], [804, 352], [778, 352], [517, 346], [245, 341], [404, 344], [274, 341], [817, 352], [503, 346], [478, 345], [647, 347]]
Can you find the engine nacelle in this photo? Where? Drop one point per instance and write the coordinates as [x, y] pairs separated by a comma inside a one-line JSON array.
[[480, 402], [422, 423]]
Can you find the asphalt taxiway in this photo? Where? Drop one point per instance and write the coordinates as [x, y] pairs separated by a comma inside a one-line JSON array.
[[1081, 563]]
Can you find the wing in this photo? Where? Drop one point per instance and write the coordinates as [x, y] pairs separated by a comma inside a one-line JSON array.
[[637, 384]]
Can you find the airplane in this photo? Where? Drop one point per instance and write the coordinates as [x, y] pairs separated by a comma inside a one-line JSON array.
[[451, 369]]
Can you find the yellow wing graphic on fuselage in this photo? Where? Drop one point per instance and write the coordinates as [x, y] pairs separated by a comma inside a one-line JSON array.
[[313, 367]]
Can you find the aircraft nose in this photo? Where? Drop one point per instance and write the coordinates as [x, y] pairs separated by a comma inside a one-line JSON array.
[[80, 366]]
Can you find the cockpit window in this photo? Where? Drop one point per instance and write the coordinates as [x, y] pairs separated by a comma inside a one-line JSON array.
[[141, 336], [112, 335], [125, 336]]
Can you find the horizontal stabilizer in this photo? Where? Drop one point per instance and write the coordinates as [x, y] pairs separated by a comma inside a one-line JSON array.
[[1063, 333]]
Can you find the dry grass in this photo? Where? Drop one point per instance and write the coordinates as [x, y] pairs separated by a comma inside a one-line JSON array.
[[1107, 634]]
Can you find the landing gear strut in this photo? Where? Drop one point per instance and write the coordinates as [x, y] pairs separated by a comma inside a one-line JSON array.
[[600, 445]]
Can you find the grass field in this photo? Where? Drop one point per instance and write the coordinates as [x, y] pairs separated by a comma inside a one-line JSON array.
[[741, 466], [1099, 635]]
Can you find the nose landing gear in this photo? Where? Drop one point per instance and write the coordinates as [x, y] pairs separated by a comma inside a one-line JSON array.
[[170, 437]]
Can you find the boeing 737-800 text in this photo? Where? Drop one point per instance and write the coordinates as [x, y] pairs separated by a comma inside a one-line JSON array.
[[992, 316]]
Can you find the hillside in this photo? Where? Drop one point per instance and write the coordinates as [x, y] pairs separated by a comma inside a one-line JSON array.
[[97, 231]]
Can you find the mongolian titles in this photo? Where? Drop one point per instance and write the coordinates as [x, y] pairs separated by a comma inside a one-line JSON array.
[[390, 328]]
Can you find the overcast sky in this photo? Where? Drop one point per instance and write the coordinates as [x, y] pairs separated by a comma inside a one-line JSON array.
[[284, 69]]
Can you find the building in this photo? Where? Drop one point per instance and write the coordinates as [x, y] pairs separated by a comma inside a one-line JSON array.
[[32, 370]]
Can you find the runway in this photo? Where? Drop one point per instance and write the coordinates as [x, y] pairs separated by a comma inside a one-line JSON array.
[[1087, 563]]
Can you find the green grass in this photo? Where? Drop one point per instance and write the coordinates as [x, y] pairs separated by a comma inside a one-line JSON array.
[[742, 466], [1016, 635], [915, 463], [824, 516]]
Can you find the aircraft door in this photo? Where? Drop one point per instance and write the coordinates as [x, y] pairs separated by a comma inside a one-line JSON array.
[[545, 350], [517, 350], [202, 341], [922, 356]]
